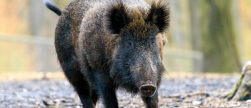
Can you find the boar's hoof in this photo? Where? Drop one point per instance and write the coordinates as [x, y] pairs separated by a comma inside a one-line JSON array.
[[147, 90]]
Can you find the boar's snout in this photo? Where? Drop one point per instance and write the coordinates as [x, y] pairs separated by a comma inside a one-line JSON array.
[[148, 90]]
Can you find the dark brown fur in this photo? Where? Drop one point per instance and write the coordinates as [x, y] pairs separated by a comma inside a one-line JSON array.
[[90, 45]]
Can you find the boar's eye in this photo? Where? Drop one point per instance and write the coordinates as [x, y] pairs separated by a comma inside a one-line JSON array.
[[129, 44], [152, 44]]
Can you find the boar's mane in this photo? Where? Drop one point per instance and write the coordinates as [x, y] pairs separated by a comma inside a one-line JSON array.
[[119, 17]]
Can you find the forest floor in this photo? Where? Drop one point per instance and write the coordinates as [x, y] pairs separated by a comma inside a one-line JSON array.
[[176, 90]]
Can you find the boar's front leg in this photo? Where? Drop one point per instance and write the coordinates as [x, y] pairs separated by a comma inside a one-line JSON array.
[[81, 86], [151, 102], [107, 90], [72, 71]]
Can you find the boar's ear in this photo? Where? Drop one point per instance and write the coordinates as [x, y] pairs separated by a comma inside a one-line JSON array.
[[159, 15], [116, 18]]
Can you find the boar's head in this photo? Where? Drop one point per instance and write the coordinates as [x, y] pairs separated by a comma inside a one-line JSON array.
[[137, 56]]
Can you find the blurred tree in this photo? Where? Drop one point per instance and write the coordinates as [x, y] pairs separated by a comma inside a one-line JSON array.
[[179, 36], [36, 15], [195, 32], [219, 37]]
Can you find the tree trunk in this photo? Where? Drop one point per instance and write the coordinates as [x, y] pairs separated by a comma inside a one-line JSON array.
[[242, 90], [36, 16], [219, 37], [195, 32]]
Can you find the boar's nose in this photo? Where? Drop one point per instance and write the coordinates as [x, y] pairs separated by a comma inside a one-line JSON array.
[[148, 90]]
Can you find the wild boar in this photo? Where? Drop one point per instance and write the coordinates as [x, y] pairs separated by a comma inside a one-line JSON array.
[[103, 45]]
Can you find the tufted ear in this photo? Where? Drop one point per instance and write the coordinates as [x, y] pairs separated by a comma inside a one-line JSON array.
[[116, 18], [159, 15]]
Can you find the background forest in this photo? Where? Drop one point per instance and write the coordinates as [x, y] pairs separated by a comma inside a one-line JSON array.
[[204, 36]]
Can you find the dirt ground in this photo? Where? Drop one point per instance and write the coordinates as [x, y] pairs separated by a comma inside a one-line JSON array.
[[31, 90]]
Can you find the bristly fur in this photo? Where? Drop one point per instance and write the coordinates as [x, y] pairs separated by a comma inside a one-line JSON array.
[[116, 18], [159, 14], [138, 27]]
